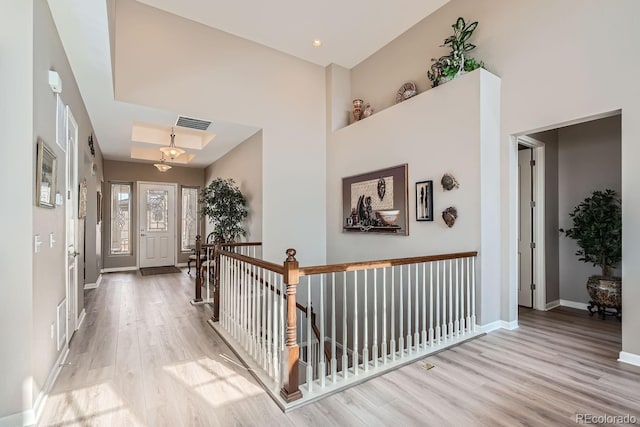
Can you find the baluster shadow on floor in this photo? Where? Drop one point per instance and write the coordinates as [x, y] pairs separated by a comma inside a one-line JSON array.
[[146, 357]]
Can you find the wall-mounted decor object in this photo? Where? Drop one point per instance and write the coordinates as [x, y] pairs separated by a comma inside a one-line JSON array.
[[449, 182], [46, 170], [406, 91], [357, 109], [424, 201], [449, 216], [376, 201], [82, 200], [91, 147]]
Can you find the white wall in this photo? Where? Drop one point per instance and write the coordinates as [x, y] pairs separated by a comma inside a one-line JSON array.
[[589, 159], [551, 57], [422, 133], [172, 63], [17, 191], [244, 165]]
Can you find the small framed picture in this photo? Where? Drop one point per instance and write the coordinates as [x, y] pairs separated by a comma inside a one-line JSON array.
[[424, 201]]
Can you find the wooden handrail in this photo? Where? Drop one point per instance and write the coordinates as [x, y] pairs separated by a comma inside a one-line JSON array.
[[366, 265], [276, 268], [230, 245]]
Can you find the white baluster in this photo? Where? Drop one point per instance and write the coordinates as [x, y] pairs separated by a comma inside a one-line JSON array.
[[445, 333], [473, 294], [401, 318], [424, 305], [392, 342], [365, 335], [416, 324], [268, 332], [263, 324], [384, 316], [374, 346], [431, 331], [457, 322], [322, 365], [334, 362], [309, 339], [409, 338], [355, 357], [276, 326], [450, 326], [345, 355], [438, 331], [462, 288]]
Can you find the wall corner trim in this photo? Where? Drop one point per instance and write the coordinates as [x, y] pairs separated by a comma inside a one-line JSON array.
[[499, 324], [630, 358], [551, 305]]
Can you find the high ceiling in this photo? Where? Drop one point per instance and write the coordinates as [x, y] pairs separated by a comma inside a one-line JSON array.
[[349, 31]]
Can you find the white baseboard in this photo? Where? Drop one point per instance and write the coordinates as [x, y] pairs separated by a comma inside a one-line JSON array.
[[499, 324], [630, 358], [83, 314], [94, 285], [573, 304], [118, 269], [181, 264], [551, 305], [31, 416]]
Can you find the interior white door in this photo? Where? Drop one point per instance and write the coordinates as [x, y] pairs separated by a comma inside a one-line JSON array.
[[525, 232], [157, 224], [71, 213]]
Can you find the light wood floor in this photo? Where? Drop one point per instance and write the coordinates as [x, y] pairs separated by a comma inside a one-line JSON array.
[[146, 357]]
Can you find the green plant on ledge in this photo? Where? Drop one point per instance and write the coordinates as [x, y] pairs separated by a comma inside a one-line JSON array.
[[225, 205], [597, 229], [456, 62]]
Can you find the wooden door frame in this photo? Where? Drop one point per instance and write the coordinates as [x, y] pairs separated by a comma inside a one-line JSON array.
[[539, 263], [175, 218]]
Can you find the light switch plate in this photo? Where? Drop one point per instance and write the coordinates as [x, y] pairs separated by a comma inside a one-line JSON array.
[[52, 241], [37, 242]]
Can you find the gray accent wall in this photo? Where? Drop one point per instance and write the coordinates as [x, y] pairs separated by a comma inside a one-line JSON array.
[[589, 159], [130, 172]]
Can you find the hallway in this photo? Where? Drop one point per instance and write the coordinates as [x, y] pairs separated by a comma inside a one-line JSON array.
[[145, 357]]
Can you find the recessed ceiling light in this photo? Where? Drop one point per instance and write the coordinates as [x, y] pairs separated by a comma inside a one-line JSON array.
[[316, 43]]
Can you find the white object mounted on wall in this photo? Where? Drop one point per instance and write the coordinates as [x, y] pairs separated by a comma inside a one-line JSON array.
[[55, 82], [449, 182]]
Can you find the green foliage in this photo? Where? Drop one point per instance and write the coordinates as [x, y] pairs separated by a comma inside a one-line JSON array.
[[225, 205], [449, 66], [597, 229]]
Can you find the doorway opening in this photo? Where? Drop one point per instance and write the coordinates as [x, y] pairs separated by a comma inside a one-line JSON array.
[[554, 170], [71, 224]]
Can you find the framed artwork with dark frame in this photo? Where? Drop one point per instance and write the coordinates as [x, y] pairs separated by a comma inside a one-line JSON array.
[[46, 176], [376, 202], [424, 201]]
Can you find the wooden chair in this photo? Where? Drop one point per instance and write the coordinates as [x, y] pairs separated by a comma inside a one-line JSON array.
[[203, 256]]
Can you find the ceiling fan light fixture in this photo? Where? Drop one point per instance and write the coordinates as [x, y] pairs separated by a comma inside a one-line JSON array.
[[172, 152]]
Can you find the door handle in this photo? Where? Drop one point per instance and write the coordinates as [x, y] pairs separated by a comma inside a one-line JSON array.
[[74, 254], [143, 235]]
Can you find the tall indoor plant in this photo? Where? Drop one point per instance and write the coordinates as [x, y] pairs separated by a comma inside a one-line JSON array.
[[225, 205], [597, 229], [458, 61]]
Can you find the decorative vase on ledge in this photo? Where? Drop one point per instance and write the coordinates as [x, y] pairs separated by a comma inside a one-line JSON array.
[[357, 109]]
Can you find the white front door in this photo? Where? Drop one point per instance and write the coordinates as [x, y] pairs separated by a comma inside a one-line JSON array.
[[157, 224], [525, 232], [71, 209]]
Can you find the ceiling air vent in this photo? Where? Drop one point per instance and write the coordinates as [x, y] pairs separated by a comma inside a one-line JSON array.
[[191, 123]]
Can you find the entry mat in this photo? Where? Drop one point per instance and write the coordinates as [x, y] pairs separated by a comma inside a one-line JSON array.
[[148, 271]]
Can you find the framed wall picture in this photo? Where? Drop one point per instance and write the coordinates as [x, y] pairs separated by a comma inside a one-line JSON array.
[[46, 176], [99, 207], [376, 202], [424, 201], [82, 199]]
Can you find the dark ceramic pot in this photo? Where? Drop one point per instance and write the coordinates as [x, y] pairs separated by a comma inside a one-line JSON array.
[[605, 292]]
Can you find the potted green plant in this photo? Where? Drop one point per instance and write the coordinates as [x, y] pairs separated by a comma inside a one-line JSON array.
[[457, 62], [597, 229], [225, 205]]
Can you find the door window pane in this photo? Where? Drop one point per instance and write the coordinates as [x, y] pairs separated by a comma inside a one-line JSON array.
[[189, 218], [157, 210], [120, 219]]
